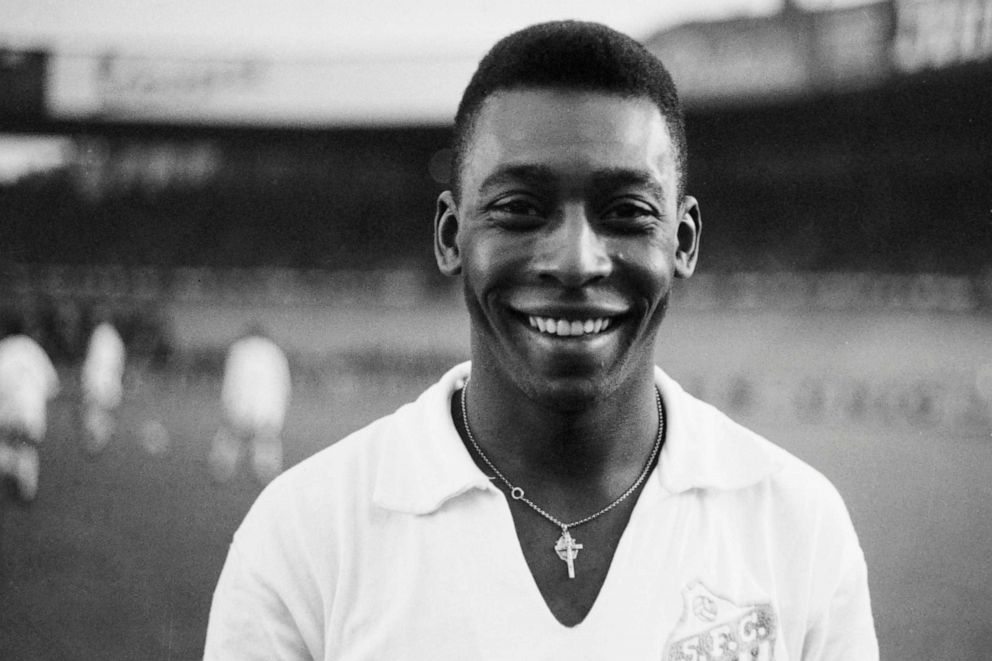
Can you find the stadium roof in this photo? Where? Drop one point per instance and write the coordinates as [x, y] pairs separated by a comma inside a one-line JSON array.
[[328, 28], [315, 63]]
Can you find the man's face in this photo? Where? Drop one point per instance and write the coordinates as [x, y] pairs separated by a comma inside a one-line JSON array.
[[568, 233]]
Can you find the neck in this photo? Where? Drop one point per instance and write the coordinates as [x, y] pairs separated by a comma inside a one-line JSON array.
[[603, 441]]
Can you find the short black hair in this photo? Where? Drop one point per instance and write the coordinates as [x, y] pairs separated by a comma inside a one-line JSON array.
[[570, 55]]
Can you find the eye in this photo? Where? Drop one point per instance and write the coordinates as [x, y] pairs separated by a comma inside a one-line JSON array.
[[630, 216], [516, 207], [516, 213]]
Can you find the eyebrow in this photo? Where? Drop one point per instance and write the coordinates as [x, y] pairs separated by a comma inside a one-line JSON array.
[[603, 181], [535, 175], [613, 178]]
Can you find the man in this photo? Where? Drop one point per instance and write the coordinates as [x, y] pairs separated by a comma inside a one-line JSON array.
[[559, 497], [254, 396], [101, 376], [27, 381]]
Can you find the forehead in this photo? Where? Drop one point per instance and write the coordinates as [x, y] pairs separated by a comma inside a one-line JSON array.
[[570, 133]]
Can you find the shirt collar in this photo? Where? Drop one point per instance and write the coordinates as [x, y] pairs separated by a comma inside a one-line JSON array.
[[425, 463], [704, 449]]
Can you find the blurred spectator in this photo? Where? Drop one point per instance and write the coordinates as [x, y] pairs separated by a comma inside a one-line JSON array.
[[101, 375], [27, 381], [254, 395]]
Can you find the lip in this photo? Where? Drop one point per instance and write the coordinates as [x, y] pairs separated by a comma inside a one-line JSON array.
[[560, 310], [569, 312]]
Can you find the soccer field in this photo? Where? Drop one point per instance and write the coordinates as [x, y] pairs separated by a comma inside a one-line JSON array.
[[118, 557]]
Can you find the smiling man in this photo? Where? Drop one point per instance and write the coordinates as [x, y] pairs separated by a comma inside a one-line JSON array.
[[559, 496]]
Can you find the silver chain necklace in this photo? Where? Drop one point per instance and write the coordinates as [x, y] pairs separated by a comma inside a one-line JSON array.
[[567, 547]]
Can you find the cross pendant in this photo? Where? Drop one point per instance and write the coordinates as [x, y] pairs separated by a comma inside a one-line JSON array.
[[567, 549]]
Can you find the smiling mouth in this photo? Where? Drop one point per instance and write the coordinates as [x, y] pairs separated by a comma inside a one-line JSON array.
[[570, 327]]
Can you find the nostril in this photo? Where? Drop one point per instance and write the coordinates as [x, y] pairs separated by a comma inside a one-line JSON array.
[[572, 278]]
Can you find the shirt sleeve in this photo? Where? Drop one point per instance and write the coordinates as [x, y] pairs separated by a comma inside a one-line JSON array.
[[248, 619], [843, 629]]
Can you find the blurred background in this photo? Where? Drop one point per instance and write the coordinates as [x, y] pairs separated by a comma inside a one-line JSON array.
[[193, 169]]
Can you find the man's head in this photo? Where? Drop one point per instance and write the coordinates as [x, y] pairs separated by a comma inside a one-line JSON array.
[[569, 55], [570, 224]]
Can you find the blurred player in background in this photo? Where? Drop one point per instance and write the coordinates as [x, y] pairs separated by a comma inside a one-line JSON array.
[[101, 375], [254, 396], [27, 382]]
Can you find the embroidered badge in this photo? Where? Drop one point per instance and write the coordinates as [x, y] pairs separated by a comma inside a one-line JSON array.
[[715, 629]]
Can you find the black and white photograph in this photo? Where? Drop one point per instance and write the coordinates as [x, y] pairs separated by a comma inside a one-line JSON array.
[[531, 330]]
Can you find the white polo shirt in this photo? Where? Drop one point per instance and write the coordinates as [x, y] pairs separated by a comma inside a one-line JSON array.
[[392, 544]]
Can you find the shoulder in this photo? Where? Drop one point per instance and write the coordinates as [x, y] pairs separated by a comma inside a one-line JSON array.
[[105, 333], [707, 449], [20, 355], [342, 473], [792, 519], [23, 345], [800, 504], [255, 355], [791, 479], [297, 532], [254, 346], [335, 489], [799, 490], [392, 463]]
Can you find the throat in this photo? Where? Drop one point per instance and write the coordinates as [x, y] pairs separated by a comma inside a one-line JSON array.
[[595, 449]]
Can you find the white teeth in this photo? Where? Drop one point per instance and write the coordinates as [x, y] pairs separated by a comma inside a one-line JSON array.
[[566, 328]]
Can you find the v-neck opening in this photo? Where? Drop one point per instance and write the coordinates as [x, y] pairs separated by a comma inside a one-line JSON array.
[[533, 588], [522, 567]]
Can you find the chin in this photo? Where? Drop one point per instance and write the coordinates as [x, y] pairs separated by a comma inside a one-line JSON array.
[[568, 392]]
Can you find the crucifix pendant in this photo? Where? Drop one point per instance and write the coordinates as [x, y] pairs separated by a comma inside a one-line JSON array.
[[567, 549]]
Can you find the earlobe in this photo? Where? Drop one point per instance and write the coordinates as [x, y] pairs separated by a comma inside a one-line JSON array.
[[689, 231], [446, 226]]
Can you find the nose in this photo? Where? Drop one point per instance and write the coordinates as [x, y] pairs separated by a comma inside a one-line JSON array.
[[572, 253]]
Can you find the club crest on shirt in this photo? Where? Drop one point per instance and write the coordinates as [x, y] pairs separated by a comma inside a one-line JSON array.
[[716, 629]]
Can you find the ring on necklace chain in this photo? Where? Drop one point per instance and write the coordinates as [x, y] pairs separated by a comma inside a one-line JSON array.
[[567, 548]]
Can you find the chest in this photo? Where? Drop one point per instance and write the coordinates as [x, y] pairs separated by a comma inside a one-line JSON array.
[[482, 580]]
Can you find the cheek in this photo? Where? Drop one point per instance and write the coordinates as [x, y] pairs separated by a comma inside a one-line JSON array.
[[648, 268], [491, 261], [479, 266]]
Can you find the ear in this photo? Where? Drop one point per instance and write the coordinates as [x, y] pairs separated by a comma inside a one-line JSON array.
[[449, 259], [688, 234]]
